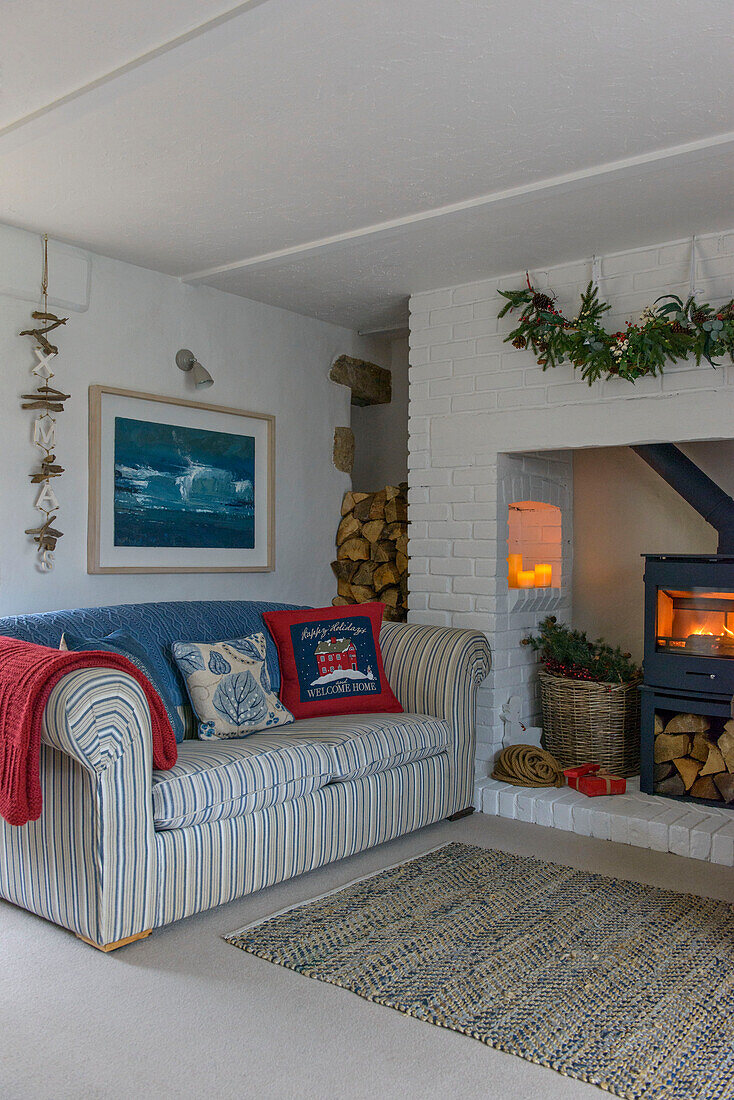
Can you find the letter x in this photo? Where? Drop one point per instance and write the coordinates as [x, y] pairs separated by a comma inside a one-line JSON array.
[[42, 368]]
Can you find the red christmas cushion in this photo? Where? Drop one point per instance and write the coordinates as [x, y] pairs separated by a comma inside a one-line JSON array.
[[330, 660]]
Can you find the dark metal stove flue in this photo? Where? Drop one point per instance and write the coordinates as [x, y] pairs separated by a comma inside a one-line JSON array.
[[703, 494]]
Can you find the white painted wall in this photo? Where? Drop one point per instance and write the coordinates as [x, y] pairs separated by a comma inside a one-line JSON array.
[[623, 509], [474, 397], [261, 358], [381, 431]]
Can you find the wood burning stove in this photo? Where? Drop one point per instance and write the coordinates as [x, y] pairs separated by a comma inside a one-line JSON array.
[[689, 640], [689, 650]]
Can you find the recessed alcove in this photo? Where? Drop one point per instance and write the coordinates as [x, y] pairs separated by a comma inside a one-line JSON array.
[[533, 545]]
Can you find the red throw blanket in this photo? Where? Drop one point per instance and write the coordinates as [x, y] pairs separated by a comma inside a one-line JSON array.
[[28, 674]]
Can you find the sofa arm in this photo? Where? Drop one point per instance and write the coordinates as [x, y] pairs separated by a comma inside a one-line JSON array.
[[88, 862], [95, 716], [435, 670]]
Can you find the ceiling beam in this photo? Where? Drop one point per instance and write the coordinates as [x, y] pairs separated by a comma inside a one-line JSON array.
[[134, 63], [717, 144]]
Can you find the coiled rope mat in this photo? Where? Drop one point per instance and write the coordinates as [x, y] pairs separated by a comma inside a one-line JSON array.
[[528, 766]]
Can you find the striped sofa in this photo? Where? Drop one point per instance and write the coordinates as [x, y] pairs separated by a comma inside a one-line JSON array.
[[121, 849]]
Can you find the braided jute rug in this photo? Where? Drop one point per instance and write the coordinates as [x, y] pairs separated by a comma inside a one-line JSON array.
[[618, 984]]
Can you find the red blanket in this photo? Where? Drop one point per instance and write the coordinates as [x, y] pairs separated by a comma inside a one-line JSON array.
[[28, 674]]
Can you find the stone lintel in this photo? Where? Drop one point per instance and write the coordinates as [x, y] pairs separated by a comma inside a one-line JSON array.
[[370, 384]]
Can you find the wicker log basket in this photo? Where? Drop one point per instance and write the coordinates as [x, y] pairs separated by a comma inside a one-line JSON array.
[[585, 721]]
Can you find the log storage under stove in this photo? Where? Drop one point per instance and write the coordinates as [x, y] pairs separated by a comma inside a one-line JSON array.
[[372, 550]]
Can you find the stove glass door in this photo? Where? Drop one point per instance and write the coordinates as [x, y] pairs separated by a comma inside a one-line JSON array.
[[696, 622]]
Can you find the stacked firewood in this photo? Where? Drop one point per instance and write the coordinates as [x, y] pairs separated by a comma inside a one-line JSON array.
[[692, 759], [372, 550]]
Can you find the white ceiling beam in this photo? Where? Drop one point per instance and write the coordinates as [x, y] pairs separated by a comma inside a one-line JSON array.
[[135, 63], [718, 143]]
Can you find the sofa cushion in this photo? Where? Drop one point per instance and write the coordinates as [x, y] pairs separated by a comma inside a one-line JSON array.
[[229, 687], [330, 661], [213, 780], [362, 744]]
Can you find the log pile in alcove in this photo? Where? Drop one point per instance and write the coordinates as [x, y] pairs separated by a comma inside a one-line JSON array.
[[372, 550]]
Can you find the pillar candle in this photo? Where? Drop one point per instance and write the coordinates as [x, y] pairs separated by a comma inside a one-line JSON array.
[[543, 575], [514, 565], [526, 578]]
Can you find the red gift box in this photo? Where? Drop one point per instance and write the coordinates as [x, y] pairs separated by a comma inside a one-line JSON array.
[[573, 775], [593, 780]]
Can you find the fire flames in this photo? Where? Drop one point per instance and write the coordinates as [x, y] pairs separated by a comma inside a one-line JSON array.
[[702, 632]]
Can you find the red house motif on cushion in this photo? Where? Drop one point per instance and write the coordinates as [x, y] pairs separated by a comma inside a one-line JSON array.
[[336, 655]]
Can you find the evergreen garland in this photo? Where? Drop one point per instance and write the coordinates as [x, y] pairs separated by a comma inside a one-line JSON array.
[[569, 653], [675, 330]]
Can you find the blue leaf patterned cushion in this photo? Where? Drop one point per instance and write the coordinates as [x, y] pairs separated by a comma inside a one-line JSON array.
[[229, 686], [150, 662]]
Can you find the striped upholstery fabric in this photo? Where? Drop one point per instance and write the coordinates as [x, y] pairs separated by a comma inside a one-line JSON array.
[[438, 671], [215, 780], [212, 780], [94, 862], [363, 744], [222, 860], [87, 863]]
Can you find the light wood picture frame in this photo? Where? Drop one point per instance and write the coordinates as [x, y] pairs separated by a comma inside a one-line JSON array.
[[178, 486]]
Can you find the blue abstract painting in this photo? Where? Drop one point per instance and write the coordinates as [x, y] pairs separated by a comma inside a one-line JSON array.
[[184, 487]]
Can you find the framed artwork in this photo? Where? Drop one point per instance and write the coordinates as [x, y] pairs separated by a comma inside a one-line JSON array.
[[178, 486]]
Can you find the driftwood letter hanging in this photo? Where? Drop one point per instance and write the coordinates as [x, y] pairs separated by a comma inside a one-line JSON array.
[[46, 402]]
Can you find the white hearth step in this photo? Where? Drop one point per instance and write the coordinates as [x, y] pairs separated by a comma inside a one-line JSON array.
[[647, 821]]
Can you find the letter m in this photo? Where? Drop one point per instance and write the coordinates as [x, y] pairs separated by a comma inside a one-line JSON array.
[[44, 432]]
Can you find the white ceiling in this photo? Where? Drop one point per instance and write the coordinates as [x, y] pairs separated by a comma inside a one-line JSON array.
[[333, 156]]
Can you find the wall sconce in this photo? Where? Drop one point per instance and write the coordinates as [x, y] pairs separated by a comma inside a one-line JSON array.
[[187, 361]]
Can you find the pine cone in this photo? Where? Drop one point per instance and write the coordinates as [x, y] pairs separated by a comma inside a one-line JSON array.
[[699, 316], [677, 327], [519, 342], [542, 301]]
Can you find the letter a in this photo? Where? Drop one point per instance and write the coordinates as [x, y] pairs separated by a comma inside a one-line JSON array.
[[47, 500]]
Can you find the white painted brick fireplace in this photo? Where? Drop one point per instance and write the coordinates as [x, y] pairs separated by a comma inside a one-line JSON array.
[[487, 426]]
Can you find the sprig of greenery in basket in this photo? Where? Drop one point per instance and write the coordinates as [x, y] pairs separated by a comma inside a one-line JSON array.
[[570, 653]]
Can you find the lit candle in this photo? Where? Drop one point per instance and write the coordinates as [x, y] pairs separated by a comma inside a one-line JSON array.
[[526, 578], [514, 565], [543, 574]]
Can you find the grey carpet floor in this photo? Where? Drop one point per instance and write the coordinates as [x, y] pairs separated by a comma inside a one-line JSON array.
[[185, 1015]]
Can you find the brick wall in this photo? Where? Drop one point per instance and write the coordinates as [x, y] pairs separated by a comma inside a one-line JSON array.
[[473, 399]]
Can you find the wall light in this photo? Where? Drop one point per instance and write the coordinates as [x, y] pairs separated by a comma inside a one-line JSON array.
[[187, 361]]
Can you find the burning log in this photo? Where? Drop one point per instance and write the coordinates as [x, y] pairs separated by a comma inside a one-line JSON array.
[[372, 551]]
